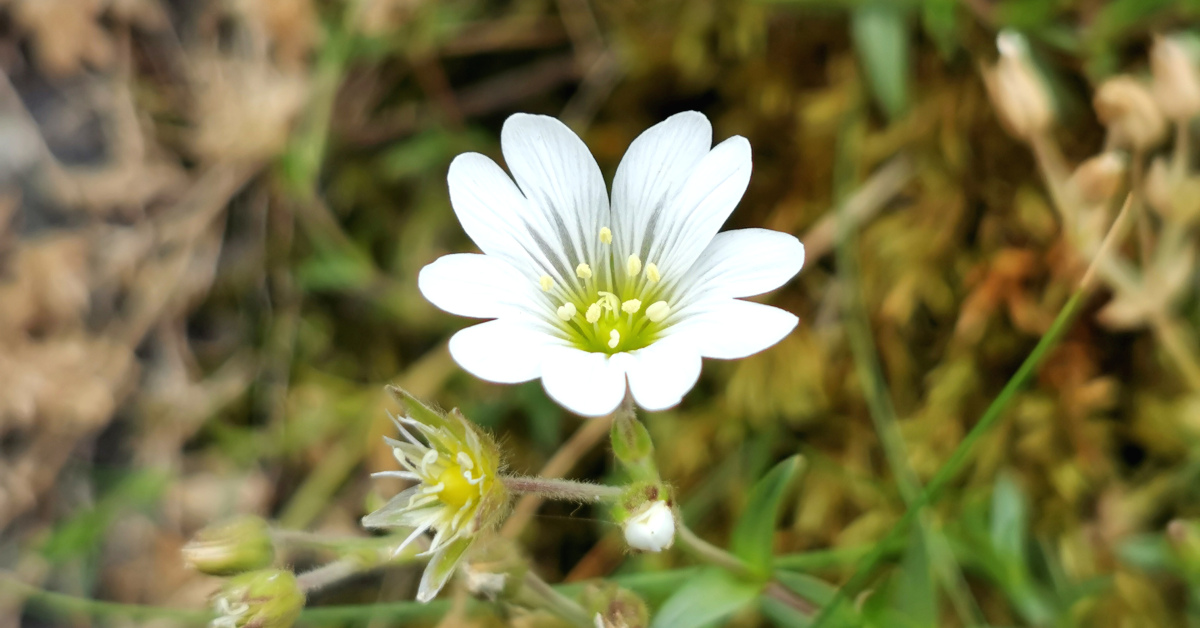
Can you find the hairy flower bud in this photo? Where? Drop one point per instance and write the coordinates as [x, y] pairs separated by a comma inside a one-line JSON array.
[[613, 607], [652, 528], [268, 598], [1018, 92], [1129, 111], [1176, 78], [230, 547]]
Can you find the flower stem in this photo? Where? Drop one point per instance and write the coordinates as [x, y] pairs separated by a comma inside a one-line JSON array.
[[710, 553], [330, 574], [562, 490], [556, 602]]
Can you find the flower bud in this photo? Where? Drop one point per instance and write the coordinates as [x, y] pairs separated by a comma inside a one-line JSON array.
[[613, 607], [268, 598], [652, 528], [1017, 91], [230, 547], [1126, 107], [633, 448], [1176, 78], [1098, 179]]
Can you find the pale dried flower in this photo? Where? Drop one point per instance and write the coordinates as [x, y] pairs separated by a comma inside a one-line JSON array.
[[1176, 78], [1125, 105]]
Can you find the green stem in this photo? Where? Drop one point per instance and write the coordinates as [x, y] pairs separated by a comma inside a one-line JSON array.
[[708, 552], [556, 602], [958, 458]]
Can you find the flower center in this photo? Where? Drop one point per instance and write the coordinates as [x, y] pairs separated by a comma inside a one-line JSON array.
[[456, 490], [616, 305]]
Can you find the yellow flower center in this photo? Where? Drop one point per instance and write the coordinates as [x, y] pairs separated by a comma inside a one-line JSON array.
[[617, 306], [456, 490]]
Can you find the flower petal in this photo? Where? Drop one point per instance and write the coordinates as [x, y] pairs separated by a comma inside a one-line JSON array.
[[686, 225], [504, 351], [651, 173], [743, 263], [568, 202], [661, 374], [392, 513], [441, 566], [589, 384], [479, 286], [492, 210], [728, 329]]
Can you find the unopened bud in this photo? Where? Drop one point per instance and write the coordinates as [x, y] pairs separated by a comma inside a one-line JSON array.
[[652, 528], [614, 607], [1176, 78], [1098, 179], [1133, 119], [230, 547], [633, 448], [269, 598], [1017, 91]]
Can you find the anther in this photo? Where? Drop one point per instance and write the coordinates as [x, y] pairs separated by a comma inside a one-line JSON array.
[[652, 272], [465, 461], [566, 311], [546, 283], [614, 339], [631, 306], [593, 313], [658, 311], [583, 271], [605, 235], [633, 266]]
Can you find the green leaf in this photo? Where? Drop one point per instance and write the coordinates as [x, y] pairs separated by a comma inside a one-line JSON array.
[[914, 597], [783, 615], [811, 588], [755, 532], [881, 39], [1009, 522], [711, 596]]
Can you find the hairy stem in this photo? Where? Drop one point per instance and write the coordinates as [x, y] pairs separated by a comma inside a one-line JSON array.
[[562, 490]]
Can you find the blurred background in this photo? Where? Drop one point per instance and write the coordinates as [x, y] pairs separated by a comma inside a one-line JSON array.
[[213, 212]]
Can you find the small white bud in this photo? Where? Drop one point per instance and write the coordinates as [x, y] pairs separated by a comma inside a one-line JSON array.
[[651, 530]]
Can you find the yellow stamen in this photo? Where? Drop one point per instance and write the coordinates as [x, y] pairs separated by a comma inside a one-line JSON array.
[[593, 313], [631, 306], [566, 311], [583, 271], [605, 235], [633, 266], [658, 311], [546, 283], [614, 339], [652, 272]]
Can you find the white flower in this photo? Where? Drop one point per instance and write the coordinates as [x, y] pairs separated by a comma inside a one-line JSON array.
[[458, 492], [652, 529], [588, 296]]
